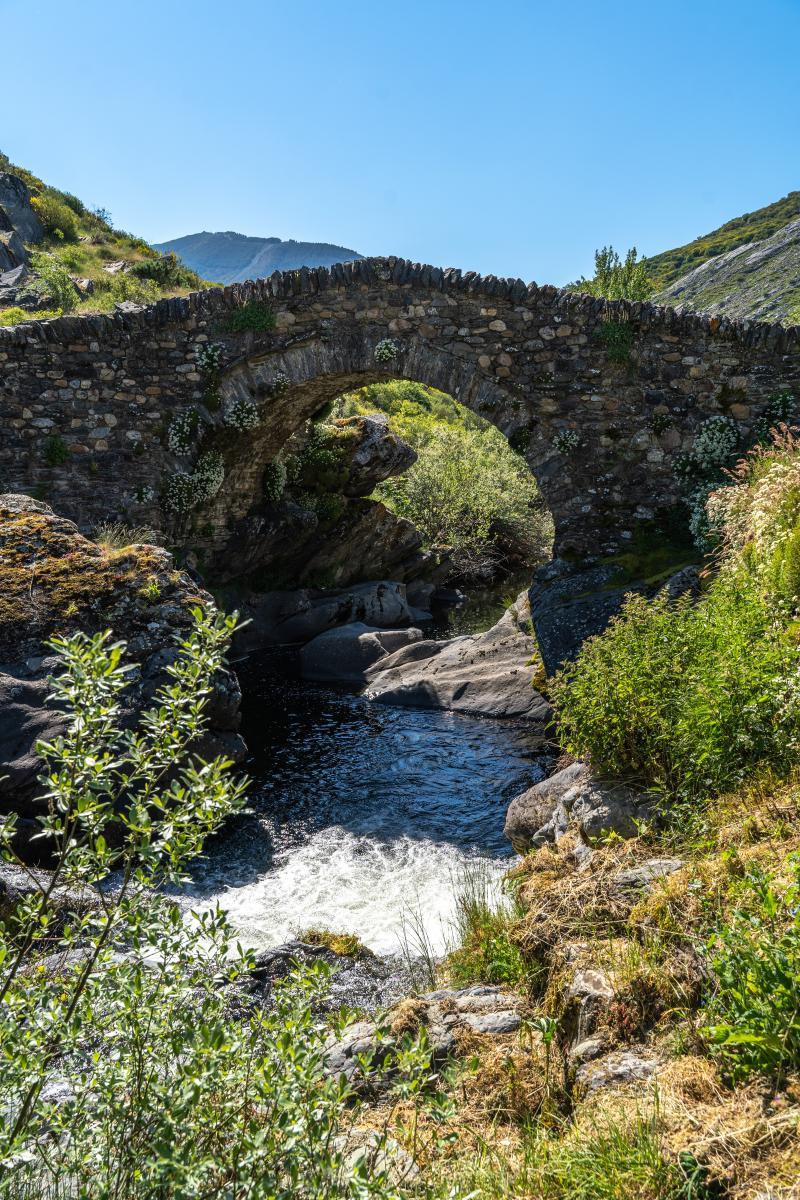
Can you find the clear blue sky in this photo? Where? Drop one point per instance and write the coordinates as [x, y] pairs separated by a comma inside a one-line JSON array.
[[510, 137]]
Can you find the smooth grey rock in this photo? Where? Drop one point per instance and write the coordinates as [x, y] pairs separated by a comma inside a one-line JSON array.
[[343, 655], [24, 719], [533, 811], [12, 251], [294, 618], [574, 797], [642, 876], [487, 674], [379, 454], [586, 1050]]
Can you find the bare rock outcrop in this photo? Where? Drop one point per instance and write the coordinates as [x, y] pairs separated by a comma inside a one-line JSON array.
[[488, 674]]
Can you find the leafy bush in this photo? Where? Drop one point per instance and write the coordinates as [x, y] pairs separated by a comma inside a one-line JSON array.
[[254, 314], [59, 219], [615, 278], [687, 698], [167, 271], [752, 1017], [468, 490], [56, 451], [55, 279], [171, 1081], [16, 316]]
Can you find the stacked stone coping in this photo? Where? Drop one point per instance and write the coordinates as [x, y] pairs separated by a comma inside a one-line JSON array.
[[306, 281]]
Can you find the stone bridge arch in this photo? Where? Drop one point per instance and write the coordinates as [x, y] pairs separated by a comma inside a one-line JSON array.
[[599, 396]]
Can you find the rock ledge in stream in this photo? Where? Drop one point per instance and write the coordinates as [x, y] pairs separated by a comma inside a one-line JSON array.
[[488, 674], [573, 796], [345, 654]]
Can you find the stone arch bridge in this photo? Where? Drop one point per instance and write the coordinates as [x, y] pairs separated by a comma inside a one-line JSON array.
[[599, 396]]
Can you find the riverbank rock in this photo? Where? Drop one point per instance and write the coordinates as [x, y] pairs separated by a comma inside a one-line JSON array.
[[573, 796], [488, 674], [53, 580], [295, 617], [493, 1011], [364, 982], [344, 655]]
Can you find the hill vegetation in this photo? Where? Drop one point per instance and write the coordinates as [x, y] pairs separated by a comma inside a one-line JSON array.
[[468, 489], [83, 264], [665, 268]]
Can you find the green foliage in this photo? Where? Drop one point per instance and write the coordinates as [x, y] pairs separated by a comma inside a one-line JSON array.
[[485, 952], [17, 316], [167, 271], [273, 481], [55, 279], [254, 314], [56, 451], [616, 278], [752, 1016], [617, 337], [59, 219], [323, 465], [468, 489], [686, 698], [750, 227], [608, 1160], [174, 1083]]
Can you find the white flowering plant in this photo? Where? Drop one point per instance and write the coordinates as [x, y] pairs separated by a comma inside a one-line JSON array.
[[566, 441], [386, 351], [274, 480], [209, 357], [182, 432], [185, 490], [280, 382], [241, 414]]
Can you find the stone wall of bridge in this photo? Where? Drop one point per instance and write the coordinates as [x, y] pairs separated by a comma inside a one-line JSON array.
[[598, 396]]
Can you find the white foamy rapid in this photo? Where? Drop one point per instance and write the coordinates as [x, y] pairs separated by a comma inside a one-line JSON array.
[[383, 892], [364, 820]]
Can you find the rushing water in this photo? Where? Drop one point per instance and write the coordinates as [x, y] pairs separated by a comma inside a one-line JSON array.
[[361, 814]]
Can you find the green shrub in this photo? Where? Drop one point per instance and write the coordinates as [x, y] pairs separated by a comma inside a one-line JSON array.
[[174, 1083], [167, 271], [55, 279], [687, 698], [468, 490], [617, 337], [753, 1015], [56, 451], [59, 219], [16, 316], [615, 278], [254, 314]]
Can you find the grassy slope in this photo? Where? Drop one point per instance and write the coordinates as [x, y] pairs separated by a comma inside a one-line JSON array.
[[750, 227]]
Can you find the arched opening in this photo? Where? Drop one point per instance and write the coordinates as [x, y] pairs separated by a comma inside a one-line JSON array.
[[315, 495]]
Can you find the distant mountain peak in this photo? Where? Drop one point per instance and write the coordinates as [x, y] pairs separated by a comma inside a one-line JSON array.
[[230, 257]]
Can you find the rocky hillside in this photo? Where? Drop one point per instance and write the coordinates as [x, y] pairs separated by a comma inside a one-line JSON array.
[[749, 267], [233, 257]]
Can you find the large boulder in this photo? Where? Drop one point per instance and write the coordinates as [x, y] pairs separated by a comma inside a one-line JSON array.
[[293, 618], [53, 580], [344, 655], [488, 674], [16, 211], [377, 454], [573, 796]]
